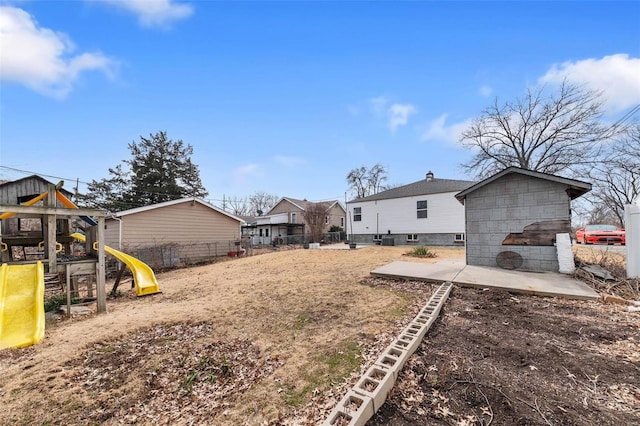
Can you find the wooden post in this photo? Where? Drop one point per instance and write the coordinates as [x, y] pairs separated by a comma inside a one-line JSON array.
[[101, 293], [50, 240], [68, 268]]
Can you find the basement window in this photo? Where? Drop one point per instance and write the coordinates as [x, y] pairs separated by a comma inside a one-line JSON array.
[[377, 237], [412, 237], [459, 238]]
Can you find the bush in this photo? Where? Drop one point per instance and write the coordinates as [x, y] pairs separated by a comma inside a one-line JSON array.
[[421, 251], [53, 303]]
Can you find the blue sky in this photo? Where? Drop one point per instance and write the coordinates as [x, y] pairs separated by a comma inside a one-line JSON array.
[[286, 97]]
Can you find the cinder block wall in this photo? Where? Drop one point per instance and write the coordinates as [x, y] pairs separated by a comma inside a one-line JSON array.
[[508, 205], [445, 239]]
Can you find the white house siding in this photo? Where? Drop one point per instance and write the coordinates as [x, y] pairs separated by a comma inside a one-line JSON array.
[[397, 217], [208, 232]]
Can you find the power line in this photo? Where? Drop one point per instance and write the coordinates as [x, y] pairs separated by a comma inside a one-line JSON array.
[[148, 191]]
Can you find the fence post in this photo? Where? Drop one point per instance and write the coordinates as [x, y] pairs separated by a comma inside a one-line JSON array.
[[632, 230]]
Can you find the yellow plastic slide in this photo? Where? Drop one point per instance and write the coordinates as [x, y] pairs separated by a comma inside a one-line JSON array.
[[21, 305], [143, 276]]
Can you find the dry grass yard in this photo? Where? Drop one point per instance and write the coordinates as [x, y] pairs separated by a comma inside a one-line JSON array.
[[246, 341], [278, 338]]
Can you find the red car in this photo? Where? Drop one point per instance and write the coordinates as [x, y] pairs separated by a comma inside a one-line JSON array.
[[601, 234]]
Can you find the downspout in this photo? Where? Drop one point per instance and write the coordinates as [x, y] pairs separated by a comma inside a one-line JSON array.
[[119, 231], [120, 264]]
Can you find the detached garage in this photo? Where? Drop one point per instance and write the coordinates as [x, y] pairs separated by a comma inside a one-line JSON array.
[[188, 230], [512, 218]]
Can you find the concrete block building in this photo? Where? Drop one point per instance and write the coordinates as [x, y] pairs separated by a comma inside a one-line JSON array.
[[512, 218]]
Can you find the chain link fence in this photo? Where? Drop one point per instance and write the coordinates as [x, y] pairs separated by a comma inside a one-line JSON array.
[[179, 255]]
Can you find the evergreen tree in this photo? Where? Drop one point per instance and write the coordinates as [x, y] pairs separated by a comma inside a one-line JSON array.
[[160, 169]]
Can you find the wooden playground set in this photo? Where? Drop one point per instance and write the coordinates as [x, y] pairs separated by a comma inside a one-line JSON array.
[[38, 250]]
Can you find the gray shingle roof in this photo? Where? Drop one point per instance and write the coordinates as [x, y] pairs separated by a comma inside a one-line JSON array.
[[576, 187], [422, 187]]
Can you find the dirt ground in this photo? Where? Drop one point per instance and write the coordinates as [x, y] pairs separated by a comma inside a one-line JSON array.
[[278, 338], [497, 358]]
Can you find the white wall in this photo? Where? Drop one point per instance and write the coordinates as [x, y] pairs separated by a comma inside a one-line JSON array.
[[632, 228], [399, 215]]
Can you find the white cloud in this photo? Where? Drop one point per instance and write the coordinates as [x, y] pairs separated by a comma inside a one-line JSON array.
[[240, 174], [153, 13], [353, 110], [439, 130], [399, 115], [618, 76], [485, 91], [39, 57], [378, 105], [288, 161]]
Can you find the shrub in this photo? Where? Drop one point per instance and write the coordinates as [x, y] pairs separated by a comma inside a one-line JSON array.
[[421, 251], [54, 302]]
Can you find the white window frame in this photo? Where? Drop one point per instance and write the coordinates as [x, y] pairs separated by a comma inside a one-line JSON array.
[[377, 237], [412, 238], [357, 214], [459, 238], [423, 210]]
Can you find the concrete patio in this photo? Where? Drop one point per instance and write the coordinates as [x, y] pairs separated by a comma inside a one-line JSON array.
[[532, 283]]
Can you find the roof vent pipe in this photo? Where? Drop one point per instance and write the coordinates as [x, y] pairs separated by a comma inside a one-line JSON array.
[[429, 176]]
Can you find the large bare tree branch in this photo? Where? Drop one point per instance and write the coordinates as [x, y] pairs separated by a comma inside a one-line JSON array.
[[541, 132]]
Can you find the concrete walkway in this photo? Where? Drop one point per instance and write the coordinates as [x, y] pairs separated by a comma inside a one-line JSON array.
[[533, 283]]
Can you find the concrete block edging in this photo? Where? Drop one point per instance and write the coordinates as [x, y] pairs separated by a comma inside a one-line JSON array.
[[370, 392]]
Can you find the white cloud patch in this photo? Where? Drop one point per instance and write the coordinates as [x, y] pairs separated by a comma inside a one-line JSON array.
[[154, 13], [40, 58], [618, 76], [399, 115], [240, 174], [353, 110], [378, 105], [288, 161], [439, 130], [485, 91]]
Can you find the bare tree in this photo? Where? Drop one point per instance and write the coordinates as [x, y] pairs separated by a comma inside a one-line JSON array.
[[314, 217], [238, 206], [261, 202], [357, 180], [365, 181], [376, 176], [544, 132], [617, 177]]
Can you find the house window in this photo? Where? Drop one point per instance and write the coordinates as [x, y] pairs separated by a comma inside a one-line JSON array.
[[412, 237], [266, 232], [422, 209], [342, 222], [357, 214], [377, 237], [459, 238], [293, 217], [326, 219], [260, 232]]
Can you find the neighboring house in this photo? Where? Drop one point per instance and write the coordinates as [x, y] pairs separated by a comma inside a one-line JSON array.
[[286, 221], [512, 218], [187, 230], [22, 234], [423, 212]]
